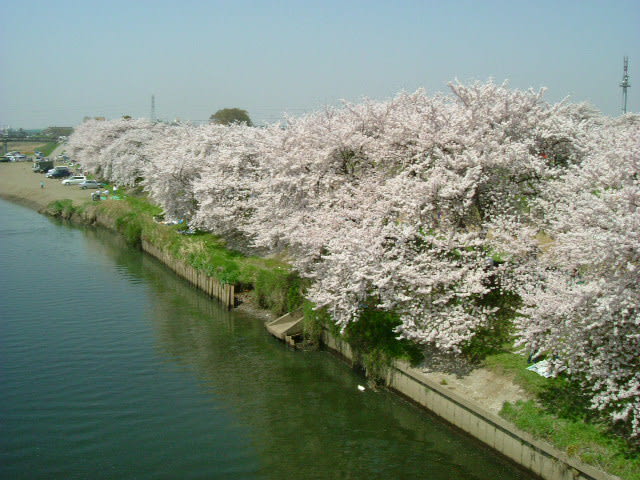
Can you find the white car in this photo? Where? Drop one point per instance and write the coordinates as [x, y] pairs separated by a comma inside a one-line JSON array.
[[74, 180], [16, 157]]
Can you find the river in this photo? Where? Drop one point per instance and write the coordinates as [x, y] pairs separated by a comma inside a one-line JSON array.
[[113, 368]]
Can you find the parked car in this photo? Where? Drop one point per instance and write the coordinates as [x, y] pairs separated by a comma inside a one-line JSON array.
[[74, 180], [15, 157], [90, 184], [58, 172]]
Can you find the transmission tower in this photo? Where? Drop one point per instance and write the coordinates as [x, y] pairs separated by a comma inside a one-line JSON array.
[[153, 108], [625, 84]]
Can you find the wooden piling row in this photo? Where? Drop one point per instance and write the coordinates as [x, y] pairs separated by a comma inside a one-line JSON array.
[[223, 292]]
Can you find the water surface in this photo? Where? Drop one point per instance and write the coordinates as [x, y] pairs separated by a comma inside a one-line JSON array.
[[113, 368]]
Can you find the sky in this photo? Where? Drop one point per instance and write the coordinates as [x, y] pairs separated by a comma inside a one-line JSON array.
[[66, 60]]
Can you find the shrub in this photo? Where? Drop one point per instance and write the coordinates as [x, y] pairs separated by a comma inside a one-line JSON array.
[[375, 343], [61, 208], [278, 290]]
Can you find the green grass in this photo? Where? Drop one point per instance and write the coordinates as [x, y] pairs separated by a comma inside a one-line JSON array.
[[62, 208], [560, 414], [590, 442], [29, 147], [47, 148], [276, 287], [515, 366], [143, 206]]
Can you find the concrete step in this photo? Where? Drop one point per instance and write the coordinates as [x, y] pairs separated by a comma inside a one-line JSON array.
[[288, 325]]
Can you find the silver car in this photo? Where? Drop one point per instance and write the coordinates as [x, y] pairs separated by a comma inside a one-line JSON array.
[[74, 180], [90, 184]]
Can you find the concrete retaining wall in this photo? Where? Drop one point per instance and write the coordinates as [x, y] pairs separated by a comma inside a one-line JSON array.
[[223, 292], [539, 457]]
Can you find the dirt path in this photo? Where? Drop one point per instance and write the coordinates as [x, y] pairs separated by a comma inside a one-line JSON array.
[[482, 387]]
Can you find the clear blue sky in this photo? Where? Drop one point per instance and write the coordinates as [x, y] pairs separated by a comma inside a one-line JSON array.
[[64, 60]]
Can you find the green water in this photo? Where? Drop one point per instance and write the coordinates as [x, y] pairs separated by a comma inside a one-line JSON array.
[[112, 368]]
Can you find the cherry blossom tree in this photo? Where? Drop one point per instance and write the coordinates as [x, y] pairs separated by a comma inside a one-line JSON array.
[[393, 201], [177, 160], [230, 168], [582, 293], [402, 205], [123, 160], [102, 146]]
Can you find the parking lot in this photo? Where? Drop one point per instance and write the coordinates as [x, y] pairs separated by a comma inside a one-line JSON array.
[[19, 183]]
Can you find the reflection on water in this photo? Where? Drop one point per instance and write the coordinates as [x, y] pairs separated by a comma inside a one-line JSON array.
[[146, 377]]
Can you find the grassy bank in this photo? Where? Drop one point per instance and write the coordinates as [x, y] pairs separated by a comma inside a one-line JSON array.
[[47, 148], [274, 285], [560, 415]]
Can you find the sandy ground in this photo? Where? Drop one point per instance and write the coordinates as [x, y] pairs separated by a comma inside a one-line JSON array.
[[481, 386], [18, 183]]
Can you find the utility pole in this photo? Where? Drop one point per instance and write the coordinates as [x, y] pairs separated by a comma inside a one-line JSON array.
[[153, 108], [625, 84]]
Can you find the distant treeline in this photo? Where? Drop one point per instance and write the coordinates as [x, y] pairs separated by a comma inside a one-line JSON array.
[[50, 133]]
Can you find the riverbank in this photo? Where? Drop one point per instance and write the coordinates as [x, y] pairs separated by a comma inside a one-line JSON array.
[[486, 389]]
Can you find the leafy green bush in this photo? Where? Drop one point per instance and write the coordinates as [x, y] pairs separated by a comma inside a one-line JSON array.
[[375, 342], [499, 332], [315, 320], [278, 289], [130, 227], [61, 208]]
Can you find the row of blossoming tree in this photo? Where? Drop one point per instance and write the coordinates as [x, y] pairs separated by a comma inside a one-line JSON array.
[[424, 206]]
